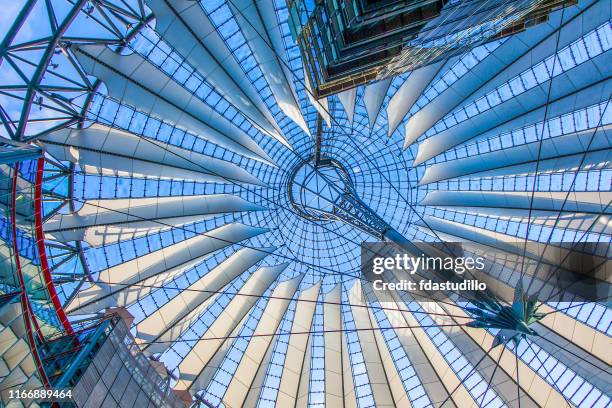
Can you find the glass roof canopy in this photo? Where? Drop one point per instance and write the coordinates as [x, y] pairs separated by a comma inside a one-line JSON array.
[[171, 129]]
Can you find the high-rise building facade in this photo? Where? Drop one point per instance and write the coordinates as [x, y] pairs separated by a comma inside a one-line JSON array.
[[349, 43]]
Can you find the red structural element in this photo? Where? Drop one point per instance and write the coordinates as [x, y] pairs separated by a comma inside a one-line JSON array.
[[40, 240], [25, 301]]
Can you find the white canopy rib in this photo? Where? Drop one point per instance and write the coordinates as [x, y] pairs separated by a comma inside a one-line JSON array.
[[104, 222], [249, 14], [347, 99], [134, 81], [296, 351], [100, 149], [200, 291], [251, 366], [480, 74], [113, 284], [176, 24], [339, 391], [512, 108], [193, 365], [405, 97], [590, 140], [373, 98], [379, 377], [585, 202]]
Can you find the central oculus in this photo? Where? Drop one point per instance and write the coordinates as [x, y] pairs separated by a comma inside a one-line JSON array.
[[322, 190], [316, 188]]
